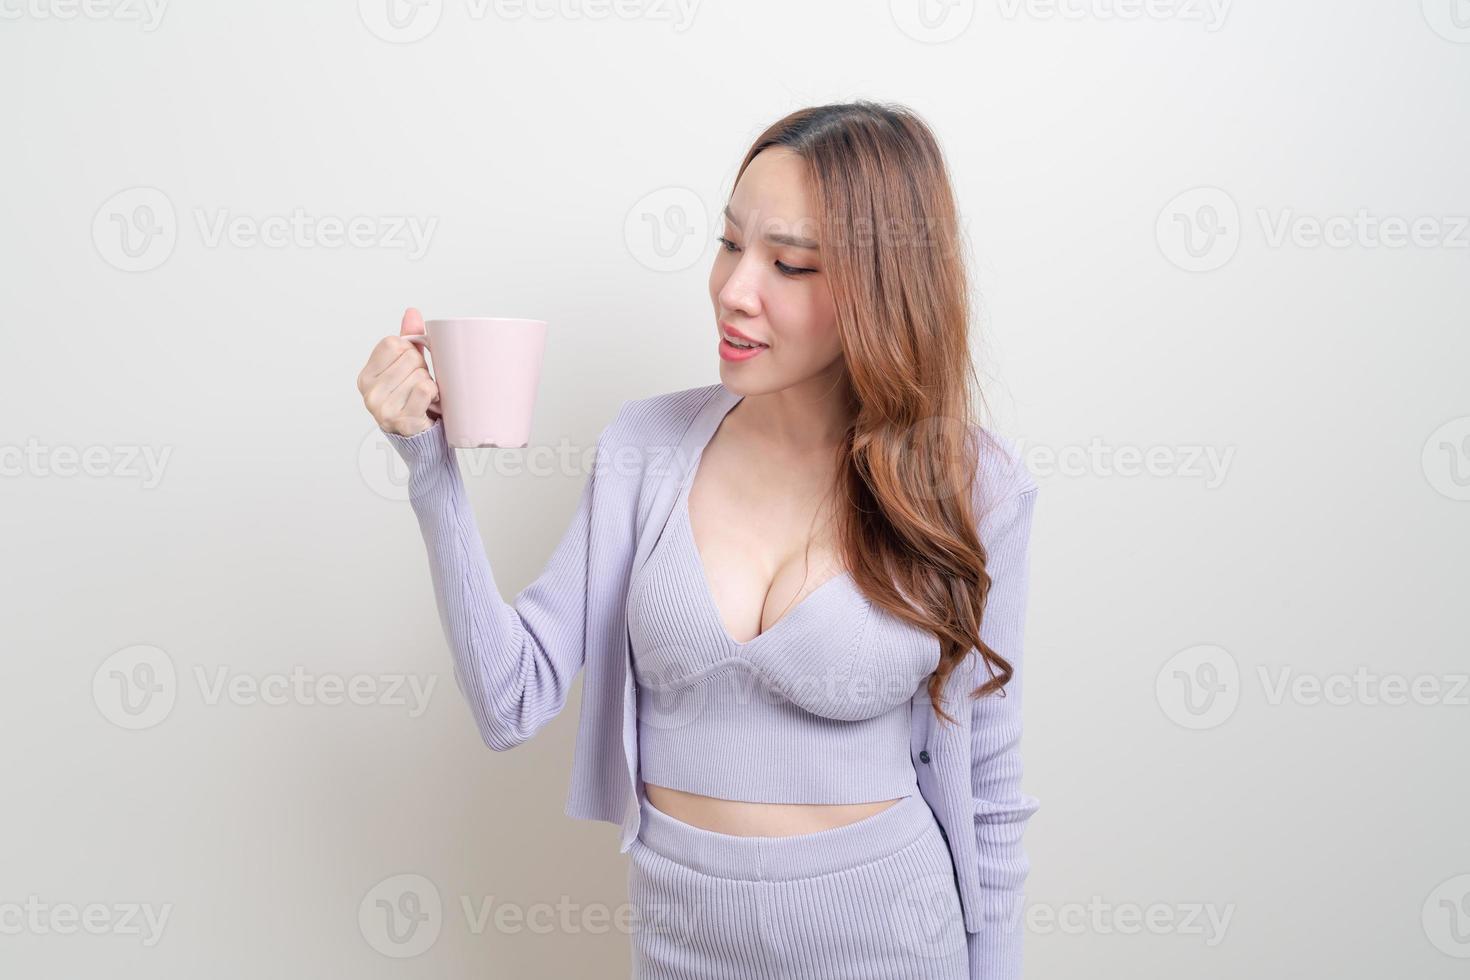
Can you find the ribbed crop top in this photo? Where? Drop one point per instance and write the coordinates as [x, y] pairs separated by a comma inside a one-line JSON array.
[[814, 710]]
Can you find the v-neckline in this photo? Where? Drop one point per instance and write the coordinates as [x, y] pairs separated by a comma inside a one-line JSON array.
[[709, 595]]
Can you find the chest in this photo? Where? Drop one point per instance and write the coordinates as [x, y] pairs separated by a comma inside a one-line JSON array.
[[759, 545], [833, 653]]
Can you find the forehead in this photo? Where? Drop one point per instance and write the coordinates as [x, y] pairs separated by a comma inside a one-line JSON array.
[[773, 191]]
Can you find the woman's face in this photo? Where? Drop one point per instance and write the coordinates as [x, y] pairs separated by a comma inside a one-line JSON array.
[[767, 280]]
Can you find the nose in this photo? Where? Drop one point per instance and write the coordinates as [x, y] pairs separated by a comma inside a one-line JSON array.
[[740, 292]]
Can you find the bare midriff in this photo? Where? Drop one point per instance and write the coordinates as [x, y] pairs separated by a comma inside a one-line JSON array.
[[745, 819]]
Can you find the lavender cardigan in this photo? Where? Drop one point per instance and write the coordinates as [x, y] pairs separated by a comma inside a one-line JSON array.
[[515, 663]]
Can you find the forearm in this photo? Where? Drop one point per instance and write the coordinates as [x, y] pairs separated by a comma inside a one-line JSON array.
[[1002, 808], [514, 664]]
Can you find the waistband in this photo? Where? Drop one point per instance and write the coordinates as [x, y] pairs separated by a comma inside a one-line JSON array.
[[786, 857]]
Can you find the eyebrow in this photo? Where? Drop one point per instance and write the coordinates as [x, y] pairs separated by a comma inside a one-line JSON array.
[[778, 238]]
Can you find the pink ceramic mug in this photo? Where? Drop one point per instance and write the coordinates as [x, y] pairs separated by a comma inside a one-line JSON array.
[[487, 369]]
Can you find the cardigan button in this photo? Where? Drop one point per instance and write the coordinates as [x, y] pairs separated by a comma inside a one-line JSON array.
[[924, 756]]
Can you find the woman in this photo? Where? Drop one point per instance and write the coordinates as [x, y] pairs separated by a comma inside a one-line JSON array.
[[805, 635]]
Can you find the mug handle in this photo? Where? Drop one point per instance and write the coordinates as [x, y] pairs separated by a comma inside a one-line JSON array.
[[423, 340]]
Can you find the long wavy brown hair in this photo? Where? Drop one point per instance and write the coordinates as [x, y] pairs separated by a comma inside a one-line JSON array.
[[891, 247]]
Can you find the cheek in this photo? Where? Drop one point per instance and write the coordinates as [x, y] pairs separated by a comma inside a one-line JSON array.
[[810, 323]]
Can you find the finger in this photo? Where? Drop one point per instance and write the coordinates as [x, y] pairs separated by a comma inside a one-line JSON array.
[[385, 353], [416, 399], [413, 322]]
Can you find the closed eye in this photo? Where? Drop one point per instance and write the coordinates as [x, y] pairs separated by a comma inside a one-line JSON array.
[[786, 270]]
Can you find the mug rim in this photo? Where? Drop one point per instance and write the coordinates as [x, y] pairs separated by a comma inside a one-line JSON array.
[[484, 319]]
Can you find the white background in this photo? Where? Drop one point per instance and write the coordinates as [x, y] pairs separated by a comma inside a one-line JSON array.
[[1123, 174]]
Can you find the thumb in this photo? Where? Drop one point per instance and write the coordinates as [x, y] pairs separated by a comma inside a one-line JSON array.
[[413, 322]]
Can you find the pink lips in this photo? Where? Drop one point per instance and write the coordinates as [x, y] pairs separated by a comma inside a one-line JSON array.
[[729, 352], [740, 334]]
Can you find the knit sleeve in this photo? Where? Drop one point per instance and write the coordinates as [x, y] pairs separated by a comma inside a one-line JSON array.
[[514, 662], [1001, 808]]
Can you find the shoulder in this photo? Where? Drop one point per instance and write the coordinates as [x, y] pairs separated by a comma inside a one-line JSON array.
[[1001, 473], [658, 419]]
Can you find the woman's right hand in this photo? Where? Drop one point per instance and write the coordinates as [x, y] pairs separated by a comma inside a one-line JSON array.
[[395, 383]]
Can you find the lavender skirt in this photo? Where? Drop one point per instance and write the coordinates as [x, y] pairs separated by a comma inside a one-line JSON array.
[[871, 900]]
